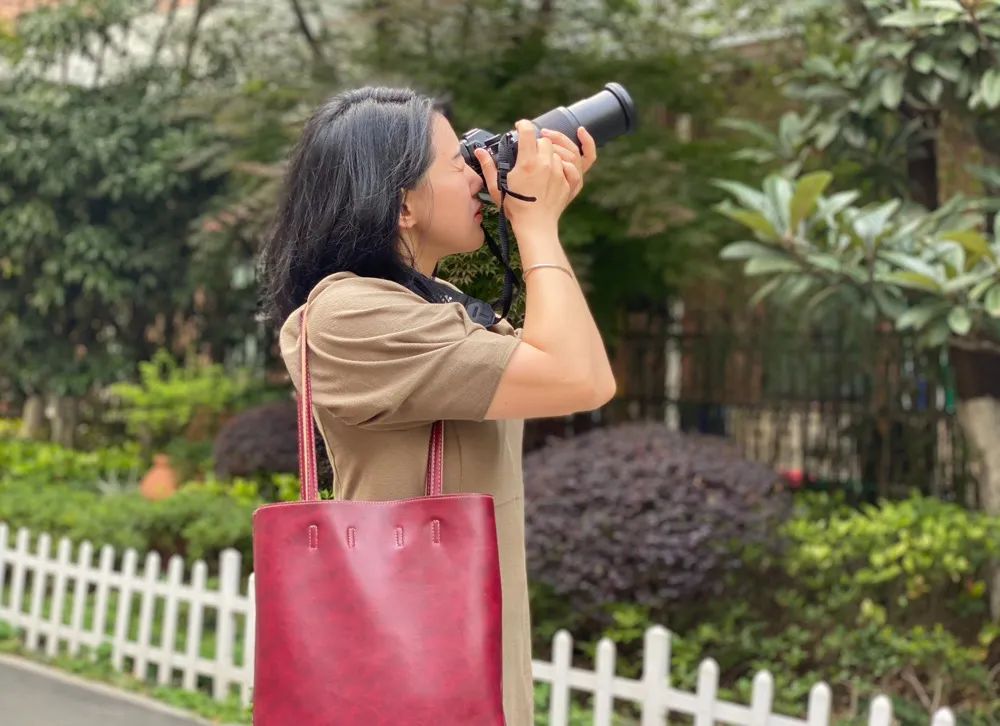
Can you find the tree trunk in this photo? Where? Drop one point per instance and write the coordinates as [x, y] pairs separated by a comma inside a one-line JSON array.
[[32, 418], [977, 374], [64, 420], [922, 163]]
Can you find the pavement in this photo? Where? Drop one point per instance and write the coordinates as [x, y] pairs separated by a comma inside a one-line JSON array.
[[35, 695]]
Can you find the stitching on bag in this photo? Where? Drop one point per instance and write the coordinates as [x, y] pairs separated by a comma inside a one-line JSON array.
[[351, 537], [436, 531], [313, 536], [399, 536], [471, 495]]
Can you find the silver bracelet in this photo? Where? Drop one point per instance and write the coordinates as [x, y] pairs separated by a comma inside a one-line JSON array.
[[528, 269]]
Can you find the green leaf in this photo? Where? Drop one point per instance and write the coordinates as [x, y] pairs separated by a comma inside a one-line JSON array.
[[825, 262], [923, 62], [779, 194], [911, 263], [913, 281], [753, 220], [931, 89], [768, 266], [968, 44], [959, 321], [747, 196], [891, 90], [807, 191], [919, 315], [992, 301], [971, 240], [989, 88], [936, 335], [907, 19], [747, 250], [763, 291], [872, 224]]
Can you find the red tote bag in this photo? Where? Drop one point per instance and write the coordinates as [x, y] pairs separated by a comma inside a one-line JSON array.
[[376, 613]]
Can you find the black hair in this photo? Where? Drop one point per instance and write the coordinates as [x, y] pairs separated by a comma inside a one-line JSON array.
[[343, 193]]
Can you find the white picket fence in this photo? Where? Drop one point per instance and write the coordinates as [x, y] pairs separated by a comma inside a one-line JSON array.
[[56, 617]]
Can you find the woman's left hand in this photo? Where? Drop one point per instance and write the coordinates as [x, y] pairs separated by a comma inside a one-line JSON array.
[[570, 154]]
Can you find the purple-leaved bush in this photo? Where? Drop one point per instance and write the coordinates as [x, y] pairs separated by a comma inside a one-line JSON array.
[[636, 513]]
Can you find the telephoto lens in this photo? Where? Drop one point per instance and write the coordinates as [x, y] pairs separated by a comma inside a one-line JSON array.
[[607, 114]]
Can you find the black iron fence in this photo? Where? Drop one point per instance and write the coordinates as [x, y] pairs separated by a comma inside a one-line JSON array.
[[834, 405]]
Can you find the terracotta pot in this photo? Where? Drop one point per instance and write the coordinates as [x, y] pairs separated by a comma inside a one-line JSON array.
[[160, 481]]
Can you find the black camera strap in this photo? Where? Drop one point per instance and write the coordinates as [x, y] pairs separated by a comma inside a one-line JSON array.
[[511, 285]]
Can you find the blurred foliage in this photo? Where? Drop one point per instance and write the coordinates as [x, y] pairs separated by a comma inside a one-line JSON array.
[[887, 598], [169, 397]]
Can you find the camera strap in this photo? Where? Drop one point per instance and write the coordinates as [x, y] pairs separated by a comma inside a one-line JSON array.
[[511, 285]]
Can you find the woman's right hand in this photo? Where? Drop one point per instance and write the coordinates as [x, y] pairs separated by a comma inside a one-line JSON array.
[[541, 172]]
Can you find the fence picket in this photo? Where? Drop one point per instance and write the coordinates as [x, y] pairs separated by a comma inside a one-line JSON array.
[[58, 597], [38, 580], [103, 590], [19, 571], [199, 573], [708, 689], [943, 717], [655, 675], [147, 601], [562, 654], [84, 565], [652, 692], [175, 576], [4, 534], [761, 699], [123, 615], [604, 693], [818, 710], [249, 639], [880, 713]]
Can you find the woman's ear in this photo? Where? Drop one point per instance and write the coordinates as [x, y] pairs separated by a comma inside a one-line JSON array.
[[407, 212]]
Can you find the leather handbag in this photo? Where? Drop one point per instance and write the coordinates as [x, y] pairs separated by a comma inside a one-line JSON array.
[[376, 613]]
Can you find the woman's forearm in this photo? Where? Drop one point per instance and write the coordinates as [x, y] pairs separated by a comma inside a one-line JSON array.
[[557, 318]]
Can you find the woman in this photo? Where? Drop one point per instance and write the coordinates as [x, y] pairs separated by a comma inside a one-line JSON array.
[[376, 194]]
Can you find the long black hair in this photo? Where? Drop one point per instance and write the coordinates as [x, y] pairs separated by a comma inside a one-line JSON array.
[[343, 193]]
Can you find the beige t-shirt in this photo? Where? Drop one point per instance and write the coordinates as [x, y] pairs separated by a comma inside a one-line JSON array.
[[385, 364]]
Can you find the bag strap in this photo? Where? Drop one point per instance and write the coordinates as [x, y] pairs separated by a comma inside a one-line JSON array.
[[308, 479]]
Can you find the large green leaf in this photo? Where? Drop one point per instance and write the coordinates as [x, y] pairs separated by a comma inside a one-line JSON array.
[[959, 321], [769, 265], [807, 191], [912, 281], [747, 196], [992, 301], [745, 250], [919, 315], [754, 220], [891, 90], [989, 88], [971, 240]]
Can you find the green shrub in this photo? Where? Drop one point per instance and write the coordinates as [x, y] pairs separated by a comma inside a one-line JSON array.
[[886, 598], [43, 463]]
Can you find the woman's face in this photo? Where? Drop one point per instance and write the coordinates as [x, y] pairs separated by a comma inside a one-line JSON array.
[[441, 216]]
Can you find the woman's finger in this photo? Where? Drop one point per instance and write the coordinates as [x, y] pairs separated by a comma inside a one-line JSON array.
[[589, 148], [527, 144], [561, 140], [489, 173], [572, 157], [574, 176]]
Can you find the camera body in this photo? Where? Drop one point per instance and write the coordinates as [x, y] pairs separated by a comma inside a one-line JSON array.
[[607, 114]]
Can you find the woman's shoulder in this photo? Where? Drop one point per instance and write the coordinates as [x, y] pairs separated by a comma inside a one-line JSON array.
[[340, 285]]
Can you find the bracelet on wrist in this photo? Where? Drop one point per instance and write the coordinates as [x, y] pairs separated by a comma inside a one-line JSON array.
[[530, 268]]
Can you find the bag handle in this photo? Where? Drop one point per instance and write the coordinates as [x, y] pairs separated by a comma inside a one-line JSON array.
[[308, 479]]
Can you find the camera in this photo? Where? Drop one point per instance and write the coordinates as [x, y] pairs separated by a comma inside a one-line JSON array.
[[607, 114]]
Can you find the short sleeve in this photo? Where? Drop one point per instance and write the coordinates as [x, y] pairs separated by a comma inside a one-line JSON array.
[[381, 357]]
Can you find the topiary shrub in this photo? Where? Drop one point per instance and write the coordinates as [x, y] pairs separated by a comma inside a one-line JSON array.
[[639, 514], [263, 440]]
